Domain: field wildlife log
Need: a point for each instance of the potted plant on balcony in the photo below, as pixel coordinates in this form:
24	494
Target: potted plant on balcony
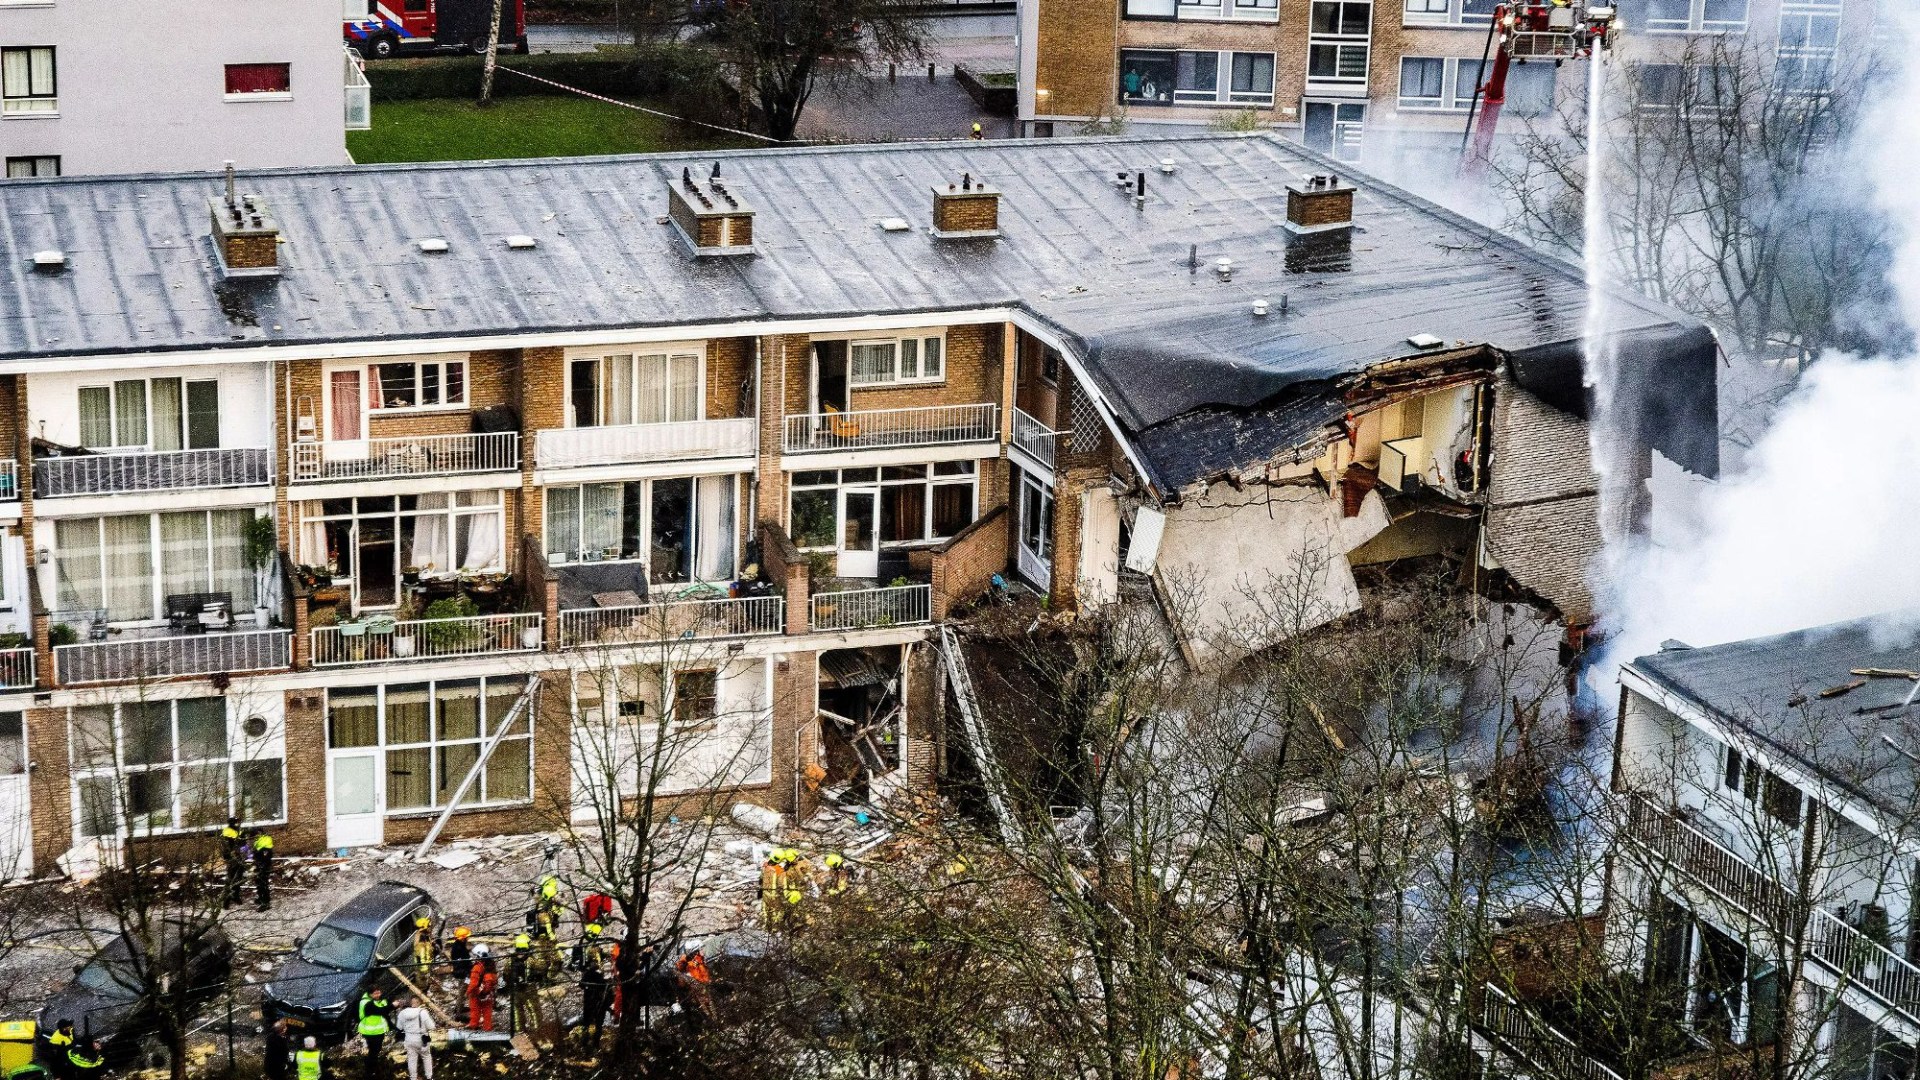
404	641
447	627
62	634
259	541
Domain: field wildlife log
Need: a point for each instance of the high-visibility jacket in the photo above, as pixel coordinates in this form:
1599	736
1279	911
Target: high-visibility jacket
263	842
84	1065
373	1017
60	1039
306	1064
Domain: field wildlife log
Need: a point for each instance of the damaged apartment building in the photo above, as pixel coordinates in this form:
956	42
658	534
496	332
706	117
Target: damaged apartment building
361	502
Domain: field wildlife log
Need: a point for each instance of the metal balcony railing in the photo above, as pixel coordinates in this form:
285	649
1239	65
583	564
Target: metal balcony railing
359	94
1538	1045
864	429
691	440
673	620
127	659
380	640
1034	437
16	668
1712	864
412	455
1865	963
860	609
171	470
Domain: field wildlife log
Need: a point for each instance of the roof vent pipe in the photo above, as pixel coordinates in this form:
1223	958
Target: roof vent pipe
1193	258
230	191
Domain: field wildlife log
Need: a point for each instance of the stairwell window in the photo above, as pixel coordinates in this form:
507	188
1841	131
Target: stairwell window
1338	42
27	84
255	82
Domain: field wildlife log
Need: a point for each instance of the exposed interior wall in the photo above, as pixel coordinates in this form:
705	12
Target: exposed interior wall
1544	502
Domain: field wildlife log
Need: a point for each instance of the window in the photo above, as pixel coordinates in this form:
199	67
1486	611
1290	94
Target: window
375	540
1189	77
158	766
25	168
634	389
1682	16
1146	77
431	735
1809	41
696	697
1423	82
683	528
151	414
1337	41
1198	77
129	564
246	80
1253	78
1447	12
26	81
877	363
1748	780
417	384
918	503
1149	9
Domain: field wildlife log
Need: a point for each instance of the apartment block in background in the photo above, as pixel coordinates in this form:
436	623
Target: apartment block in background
99	86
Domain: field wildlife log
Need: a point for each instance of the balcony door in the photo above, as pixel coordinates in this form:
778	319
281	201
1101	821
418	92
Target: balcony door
346	415
829	376
353	810
859	549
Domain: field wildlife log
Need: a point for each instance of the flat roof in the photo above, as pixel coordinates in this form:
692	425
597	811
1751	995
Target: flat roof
1166	345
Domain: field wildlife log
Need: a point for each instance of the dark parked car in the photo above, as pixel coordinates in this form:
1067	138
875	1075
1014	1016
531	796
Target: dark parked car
106	999
354	949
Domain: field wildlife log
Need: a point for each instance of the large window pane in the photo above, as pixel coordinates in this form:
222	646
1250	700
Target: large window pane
76	564
13	745
99	806
203	728
812	515
96	416
716	535
128	543
93	736
150	800
903	513
203	415
1146	76
563	521
147	730
169	415
683	390
600	524
952	508
455	762
130	412
458	705
184	565
650	379
410	778
671	543
408	715
203	795
502	694
260	791
353	718
509	777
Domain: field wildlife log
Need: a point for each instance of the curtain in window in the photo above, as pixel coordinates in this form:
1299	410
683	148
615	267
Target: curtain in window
168	426
230	572
313	542
96	416
408	715
651	379
501	696
410	779
903	512
952	508
128	543
353	718
600	517
184	566
431	545
76	564
616	390
872	361
563	521
130	412
479	536
684	391
509	773
715	542
457	708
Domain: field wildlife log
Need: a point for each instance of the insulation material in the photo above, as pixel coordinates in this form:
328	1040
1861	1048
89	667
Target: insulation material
1237	567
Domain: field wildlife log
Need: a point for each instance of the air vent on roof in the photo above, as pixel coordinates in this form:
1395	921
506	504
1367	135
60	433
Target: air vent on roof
894	224
966	210
433	245
520	242
711	218
50	261
1319	204
245	237
1425	341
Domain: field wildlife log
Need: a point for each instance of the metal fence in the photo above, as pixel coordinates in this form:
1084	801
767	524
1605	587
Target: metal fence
859	609
1034	437
130	658
690	440
381	640
673	620
16	668
929	425
412	455
109	474
1524	1035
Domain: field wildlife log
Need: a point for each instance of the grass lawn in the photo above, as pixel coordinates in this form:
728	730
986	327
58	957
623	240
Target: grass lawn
444	129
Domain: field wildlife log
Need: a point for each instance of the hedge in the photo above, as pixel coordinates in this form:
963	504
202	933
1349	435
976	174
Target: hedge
654	71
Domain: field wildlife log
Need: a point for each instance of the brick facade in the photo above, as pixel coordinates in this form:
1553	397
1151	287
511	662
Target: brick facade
1074	62
50	798
963	567
966	211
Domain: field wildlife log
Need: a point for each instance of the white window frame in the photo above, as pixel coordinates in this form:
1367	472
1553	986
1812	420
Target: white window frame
920	345
684	352
1208	11
645	558
31	103
930	481
146	405
453	514
156	566
371	372
1341	43
1222	93
118	771
259	95
1456	88
1448	13
1696	22
523	735
1249	97
1808	13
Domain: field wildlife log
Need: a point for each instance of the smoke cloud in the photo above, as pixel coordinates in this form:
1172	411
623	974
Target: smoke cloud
1820	522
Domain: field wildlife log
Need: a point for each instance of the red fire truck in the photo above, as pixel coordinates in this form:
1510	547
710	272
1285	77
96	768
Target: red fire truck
377	29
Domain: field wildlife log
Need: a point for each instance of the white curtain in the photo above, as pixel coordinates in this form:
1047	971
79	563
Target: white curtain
714	544
76	564
616	390
313	541
96	416
183	553
128	542
563	521
231	574
684	390
652	381
167	415
480	540
431	547
600	517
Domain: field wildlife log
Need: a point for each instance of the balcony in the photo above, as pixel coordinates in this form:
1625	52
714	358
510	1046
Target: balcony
171	470
1525	1036
383	639
878	429
129	658
867	609
1034	438
1865	964
359	94
16	668
411	455
669	621
1722	872
693	440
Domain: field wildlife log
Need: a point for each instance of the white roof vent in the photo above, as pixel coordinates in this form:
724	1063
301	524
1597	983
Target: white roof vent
433	245
51	260
520	242
1425	341
894	224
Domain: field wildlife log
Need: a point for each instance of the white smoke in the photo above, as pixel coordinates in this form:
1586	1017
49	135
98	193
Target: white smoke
1821	521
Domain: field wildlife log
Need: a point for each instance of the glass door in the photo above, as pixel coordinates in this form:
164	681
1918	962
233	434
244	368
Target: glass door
353	818
859	538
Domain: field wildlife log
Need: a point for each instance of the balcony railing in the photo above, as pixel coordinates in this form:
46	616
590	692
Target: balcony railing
130	658
1034	437
1865	963
171	470
359	94
867	429
1544	1048
412	455
861	609
691	440
672	620
1706	860
16	668
382	640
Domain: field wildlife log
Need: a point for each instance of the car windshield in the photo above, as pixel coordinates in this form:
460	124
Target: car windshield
337	948
110	974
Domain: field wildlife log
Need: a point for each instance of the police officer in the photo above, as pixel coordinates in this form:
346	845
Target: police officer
593	999
308	1064
58	1042
263	872
279	1051
85	1060
233	854
373	1027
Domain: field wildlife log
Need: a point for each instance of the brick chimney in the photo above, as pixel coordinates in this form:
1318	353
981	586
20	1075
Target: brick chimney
1319	203
966	209
710	217
245	236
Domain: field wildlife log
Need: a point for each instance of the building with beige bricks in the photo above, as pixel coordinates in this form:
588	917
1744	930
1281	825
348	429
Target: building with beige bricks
353	502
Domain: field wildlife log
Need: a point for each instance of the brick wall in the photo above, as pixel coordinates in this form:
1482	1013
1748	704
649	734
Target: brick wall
964	566
1075	57
782	564
1068	488
1543	503
926	703
783	390
962	212
248	252
972	368
543	405
306	757
729	378
50	798
796	733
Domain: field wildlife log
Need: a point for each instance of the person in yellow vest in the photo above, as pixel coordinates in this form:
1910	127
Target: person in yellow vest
423	949
547	896
545	930
523	993
838	876
58	1041
773	885
308	1063
263	872
85	1060
233	856
373	1028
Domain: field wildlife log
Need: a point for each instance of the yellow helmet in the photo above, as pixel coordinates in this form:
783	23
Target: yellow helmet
522	941
834	861
793	896
593	929
549	886
422	922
